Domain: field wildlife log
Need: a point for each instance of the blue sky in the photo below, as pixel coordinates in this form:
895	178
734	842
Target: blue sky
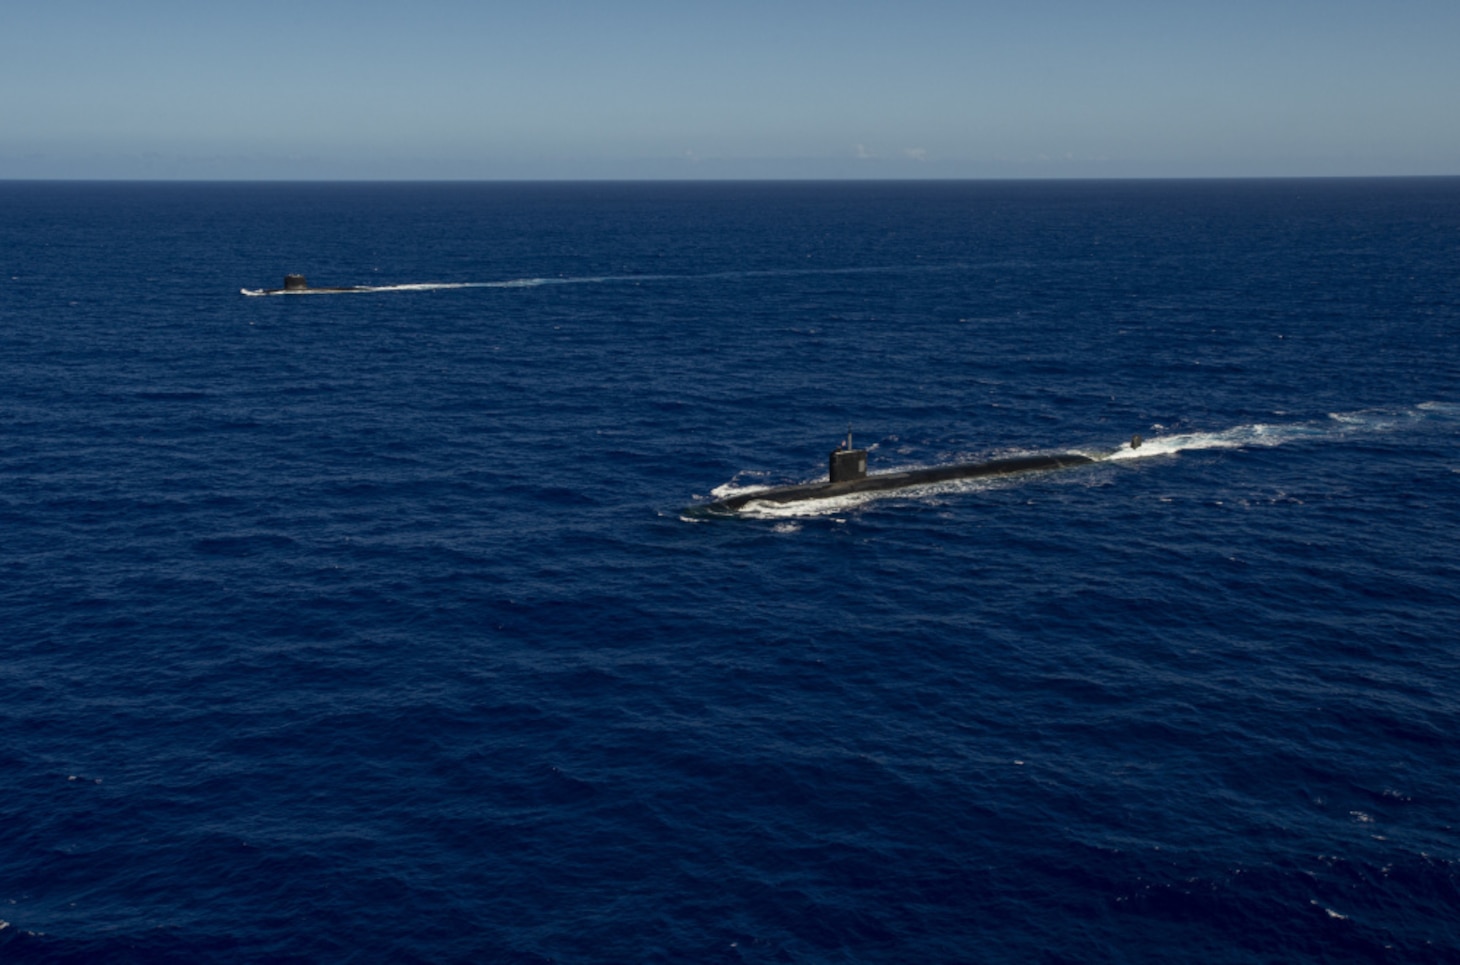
643	88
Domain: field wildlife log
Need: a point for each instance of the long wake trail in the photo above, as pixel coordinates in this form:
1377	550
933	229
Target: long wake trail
1337	426
601	280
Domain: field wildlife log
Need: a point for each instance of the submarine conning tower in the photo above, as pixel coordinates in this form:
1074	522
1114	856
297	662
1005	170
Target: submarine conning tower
295	283
848	464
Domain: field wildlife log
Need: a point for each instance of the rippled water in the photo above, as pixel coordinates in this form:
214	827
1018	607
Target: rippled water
373	626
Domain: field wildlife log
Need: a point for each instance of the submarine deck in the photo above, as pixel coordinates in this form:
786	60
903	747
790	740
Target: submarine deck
322	290
899	480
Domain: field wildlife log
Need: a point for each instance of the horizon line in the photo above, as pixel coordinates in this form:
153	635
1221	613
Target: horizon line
124	179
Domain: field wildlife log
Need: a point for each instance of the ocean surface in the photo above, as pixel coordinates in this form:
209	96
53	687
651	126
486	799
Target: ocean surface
383	627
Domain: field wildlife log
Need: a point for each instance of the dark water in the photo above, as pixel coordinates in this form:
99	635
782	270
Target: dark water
370	627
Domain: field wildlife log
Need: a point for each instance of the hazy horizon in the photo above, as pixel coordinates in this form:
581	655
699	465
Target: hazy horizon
649	90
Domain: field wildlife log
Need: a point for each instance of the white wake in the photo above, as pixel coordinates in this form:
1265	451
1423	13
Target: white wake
597	280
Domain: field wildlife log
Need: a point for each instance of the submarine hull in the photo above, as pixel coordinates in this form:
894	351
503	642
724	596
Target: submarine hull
899	480
332	290
299	285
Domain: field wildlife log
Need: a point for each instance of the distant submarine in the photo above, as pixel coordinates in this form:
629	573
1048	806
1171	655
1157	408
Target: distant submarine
848	474
296	285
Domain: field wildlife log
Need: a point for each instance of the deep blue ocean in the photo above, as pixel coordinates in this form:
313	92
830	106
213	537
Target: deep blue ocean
381	626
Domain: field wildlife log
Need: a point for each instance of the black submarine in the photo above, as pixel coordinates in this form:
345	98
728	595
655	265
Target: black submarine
848	474
297	285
